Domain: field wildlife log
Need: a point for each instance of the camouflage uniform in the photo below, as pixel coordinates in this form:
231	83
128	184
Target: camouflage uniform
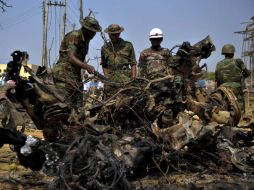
229	73
66	75
153	62
118	59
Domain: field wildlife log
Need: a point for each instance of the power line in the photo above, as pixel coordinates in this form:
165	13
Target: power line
20	20
72	3
71	18
22	14
73	11
50	20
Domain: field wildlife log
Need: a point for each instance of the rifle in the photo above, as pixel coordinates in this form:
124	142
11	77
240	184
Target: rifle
105	79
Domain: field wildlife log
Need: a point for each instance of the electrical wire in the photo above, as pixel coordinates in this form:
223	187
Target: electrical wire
73	11
9	25
21	17
72	2
50	21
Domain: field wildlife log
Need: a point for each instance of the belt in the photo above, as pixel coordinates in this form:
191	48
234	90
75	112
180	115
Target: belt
119	67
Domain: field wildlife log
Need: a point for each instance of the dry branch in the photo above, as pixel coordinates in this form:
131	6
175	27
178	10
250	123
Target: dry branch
3	5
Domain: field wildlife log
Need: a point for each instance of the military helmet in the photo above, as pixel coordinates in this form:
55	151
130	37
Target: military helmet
228	49
156	33
90	23
114	29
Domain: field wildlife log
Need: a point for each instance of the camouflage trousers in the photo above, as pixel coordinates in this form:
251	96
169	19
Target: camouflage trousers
239	93
118	76
73	95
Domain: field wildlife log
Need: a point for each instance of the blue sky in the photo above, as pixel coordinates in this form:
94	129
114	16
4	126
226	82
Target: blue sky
180	20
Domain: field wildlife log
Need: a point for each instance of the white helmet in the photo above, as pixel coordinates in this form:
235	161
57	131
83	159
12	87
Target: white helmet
156	33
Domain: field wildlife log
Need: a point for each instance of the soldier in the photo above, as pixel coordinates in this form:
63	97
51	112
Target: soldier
117	58
73	50
153	61
231	73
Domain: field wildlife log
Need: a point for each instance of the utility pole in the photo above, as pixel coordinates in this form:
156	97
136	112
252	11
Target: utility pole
46	5
64	21
81	10
45	33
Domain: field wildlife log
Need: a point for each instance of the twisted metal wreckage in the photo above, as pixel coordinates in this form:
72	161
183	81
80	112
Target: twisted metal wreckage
148	128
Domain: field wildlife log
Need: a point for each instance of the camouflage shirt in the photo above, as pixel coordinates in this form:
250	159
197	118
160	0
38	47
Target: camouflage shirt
153	62
229	72
118	59
73	41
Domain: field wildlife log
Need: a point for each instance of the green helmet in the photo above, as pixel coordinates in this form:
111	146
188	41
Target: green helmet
90	23
228	49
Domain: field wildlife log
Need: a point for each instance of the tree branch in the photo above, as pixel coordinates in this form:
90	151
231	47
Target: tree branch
3	5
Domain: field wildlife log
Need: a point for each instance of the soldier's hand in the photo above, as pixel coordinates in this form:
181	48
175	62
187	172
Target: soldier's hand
90	69
11	83
246	73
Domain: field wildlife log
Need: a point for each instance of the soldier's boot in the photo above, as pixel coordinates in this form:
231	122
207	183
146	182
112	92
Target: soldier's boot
246	101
